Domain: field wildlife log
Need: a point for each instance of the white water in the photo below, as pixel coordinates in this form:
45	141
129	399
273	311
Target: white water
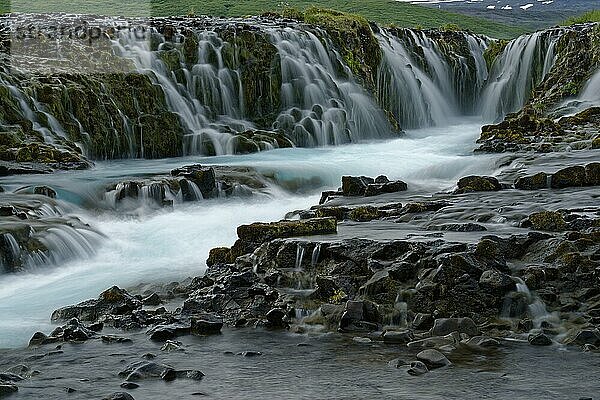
173	245
522	65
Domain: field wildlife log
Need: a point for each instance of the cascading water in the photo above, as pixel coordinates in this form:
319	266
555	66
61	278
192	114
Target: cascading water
522	65
423	82
589	97
321	107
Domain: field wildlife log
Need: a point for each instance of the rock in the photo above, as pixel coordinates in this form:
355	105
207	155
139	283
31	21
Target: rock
262	232
168	375
482	341
445	326
276	316
364	214
171	345
398	337
587	336
119	396
569	177
355	185
202	177
206	325
161	333
220	255
417	368
496	281
250	353
422	322
143	370
113	301
474	183
433	358
468	227
592	174
129	385
533	182
7	388
115	339
45	191
358	316
40	338
547	221
375	189
152	300
539	339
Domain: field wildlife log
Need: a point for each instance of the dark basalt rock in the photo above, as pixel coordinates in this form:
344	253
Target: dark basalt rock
539	339
470	184
433	358
355	185
7	389
113	301
119	396
533	182
359	316
206	325
569	177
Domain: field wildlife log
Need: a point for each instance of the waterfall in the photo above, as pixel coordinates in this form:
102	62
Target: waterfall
523	64
424	82
320	106
589	97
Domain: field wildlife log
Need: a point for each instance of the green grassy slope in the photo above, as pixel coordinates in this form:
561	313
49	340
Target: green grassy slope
384	12
592	16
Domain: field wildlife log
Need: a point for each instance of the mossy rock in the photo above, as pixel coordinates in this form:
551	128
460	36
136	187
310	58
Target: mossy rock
364	214
533	182
261	232
220	255
552	221
574	176
474	183
495	48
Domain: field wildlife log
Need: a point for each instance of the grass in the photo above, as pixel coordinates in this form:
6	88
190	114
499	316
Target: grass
384	12
590	16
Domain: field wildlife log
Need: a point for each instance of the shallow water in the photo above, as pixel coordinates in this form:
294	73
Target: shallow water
329	366
172	245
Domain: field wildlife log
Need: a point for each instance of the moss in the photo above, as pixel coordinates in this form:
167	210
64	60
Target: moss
548	221
352	36
260	232
364	214
219	255
450	28
493	51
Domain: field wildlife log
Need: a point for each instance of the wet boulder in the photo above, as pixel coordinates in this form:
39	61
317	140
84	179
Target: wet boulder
206	325
539	339
203	177
475	183
533	182
496	282
219	255
592	174
552	221
45	191
364	214
359	316
569	177
113	301
376	189
262	232
7	389
355	185
587	336
417	368
433	358
445	326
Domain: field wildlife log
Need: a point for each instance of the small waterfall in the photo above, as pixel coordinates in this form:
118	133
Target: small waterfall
321	107
424	81
589	97
66	243
314	259
523	64
299	256
12	250
535	307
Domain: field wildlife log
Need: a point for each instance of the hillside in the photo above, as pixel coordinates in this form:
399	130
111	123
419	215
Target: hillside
381	11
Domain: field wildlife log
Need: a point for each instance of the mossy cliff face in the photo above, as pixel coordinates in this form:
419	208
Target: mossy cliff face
112	115
351	35
536	126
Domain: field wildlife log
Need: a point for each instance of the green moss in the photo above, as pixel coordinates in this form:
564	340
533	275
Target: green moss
450	28
260	232
364	214
493	51
548	221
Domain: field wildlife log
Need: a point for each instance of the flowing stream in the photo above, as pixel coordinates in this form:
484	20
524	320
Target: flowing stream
321	106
